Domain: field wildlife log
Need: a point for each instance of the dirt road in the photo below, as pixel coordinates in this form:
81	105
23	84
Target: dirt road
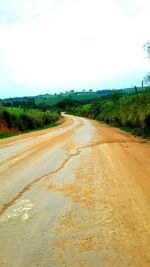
77	195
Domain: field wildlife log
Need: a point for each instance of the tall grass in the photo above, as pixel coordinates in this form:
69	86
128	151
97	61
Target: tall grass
25	120
131	112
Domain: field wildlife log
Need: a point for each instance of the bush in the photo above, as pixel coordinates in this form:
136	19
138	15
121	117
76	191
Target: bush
130	111
27	119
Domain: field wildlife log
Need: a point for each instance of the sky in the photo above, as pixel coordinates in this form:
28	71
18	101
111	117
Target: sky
50	46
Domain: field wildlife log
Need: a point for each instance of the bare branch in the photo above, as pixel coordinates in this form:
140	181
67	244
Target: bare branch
147	79
147	48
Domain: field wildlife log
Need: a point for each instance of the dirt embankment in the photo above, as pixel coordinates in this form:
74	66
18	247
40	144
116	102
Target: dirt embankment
4	128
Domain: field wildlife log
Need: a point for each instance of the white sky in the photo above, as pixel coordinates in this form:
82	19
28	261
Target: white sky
48	46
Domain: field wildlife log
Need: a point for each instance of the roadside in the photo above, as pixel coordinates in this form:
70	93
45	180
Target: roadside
14	121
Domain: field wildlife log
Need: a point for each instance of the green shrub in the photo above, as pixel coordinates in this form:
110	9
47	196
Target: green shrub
132	112
26	120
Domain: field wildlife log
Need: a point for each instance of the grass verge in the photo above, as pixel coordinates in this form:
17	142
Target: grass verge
7	135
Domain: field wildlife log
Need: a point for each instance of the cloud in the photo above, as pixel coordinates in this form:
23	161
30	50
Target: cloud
133	7
49	43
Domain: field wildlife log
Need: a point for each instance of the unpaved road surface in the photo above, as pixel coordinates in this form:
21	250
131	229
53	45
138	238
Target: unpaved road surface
77	195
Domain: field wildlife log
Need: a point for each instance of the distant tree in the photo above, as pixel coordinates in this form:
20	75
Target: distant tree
147	48
147	77
42	106
66	104
115	95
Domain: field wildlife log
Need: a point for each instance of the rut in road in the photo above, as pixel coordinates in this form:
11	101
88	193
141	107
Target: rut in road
79	150
35	148
84	200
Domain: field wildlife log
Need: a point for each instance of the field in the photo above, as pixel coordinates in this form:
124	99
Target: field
54	99
48	101
51	100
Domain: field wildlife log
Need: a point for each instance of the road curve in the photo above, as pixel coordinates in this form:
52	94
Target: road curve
77	195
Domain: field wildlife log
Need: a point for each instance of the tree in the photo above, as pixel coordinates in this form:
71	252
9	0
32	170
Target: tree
147	48
147	77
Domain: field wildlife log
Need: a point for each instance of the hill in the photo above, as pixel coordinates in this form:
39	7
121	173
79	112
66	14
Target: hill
50	100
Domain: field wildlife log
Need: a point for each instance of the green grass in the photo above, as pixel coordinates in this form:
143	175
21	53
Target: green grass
143	132
54	99
51	100
130	112
20	111
23	120
7	135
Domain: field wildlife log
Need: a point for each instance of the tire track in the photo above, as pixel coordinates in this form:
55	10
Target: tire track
30	185
37	148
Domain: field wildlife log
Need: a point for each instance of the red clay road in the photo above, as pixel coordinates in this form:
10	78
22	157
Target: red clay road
77	195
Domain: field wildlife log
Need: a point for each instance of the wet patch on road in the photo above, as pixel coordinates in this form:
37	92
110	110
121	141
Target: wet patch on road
19	210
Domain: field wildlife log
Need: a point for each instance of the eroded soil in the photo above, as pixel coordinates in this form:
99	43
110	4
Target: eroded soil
77	195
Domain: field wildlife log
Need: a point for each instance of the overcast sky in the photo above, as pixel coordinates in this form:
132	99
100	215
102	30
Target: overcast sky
48	46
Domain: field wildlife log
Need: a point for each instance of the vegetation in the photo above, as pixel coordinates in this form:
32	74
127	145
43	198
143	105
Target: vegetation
49	102
23	120
128	109
147	77
130	112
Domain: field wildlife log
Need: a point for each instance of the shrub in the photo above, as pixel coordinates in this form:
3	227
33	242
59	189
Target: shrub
130	111
27	119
